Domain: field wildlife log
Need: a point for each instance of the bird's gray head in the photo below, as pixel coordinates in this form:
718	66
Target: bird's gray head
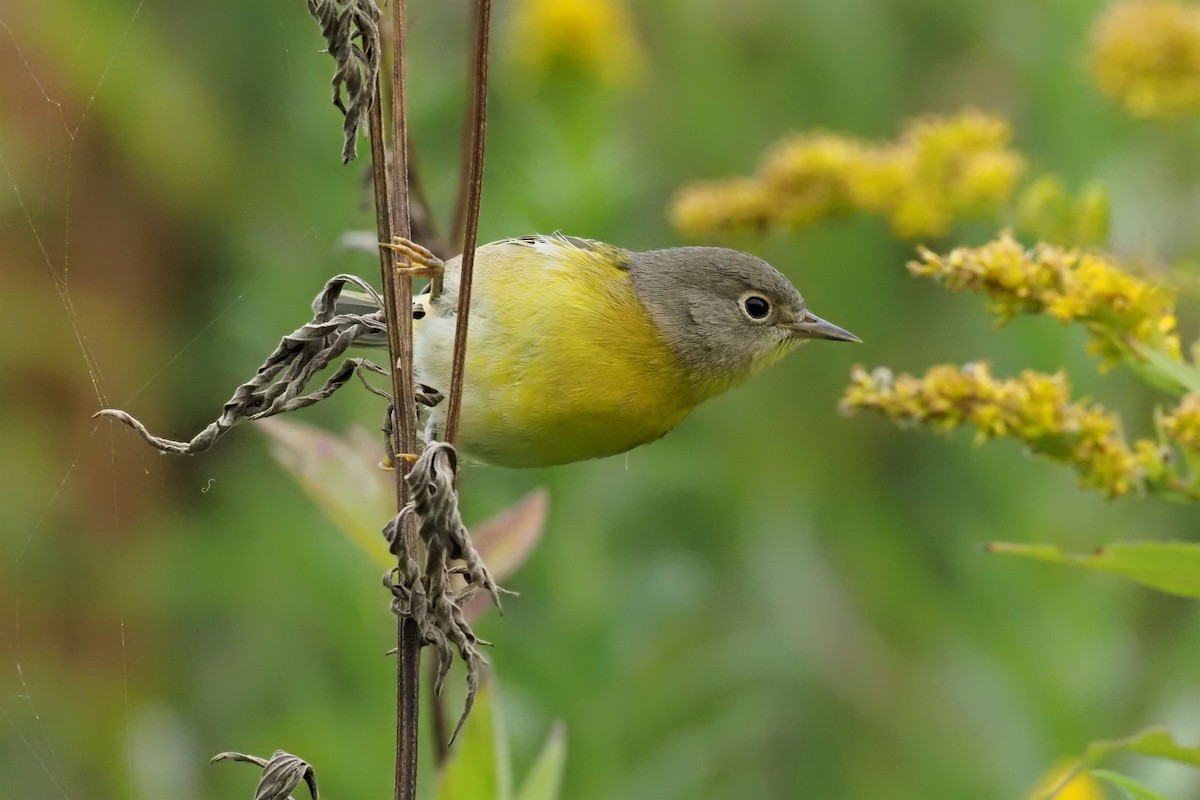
724	313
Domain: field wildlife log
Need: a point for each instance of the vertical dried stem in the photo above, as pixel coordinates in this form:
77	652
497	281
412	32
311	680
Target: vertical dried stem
473	179
398	294
462	228
400	346
392	219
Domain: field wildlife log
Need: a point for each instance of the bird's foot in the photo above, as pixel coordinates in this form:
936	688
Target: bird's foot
388	463
422	262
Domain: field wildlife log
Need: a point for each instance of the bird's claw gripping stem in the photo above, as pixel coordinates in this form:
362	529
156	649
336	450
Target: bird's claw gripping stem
424	264
388	463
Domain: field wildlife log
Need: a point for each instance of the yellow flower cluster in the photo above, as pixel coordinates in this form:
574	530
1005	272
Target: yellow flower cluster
1182	425
594	39
1034	408
1082	786
938	170
1146	55
1069	284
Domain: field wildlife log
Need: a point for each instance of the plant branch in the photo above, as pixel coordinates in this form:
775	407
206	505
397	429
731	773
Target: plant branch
393	219
422	220
473	178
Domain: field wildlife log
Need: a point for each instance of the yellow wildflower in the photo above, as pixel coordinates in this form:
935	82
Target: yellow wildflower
884	179
961	162
1104	460
938	170
592	38
811	176
1034	408
1154	460
920	211
1067	284
1082	786
736	205
1182	425
1146	55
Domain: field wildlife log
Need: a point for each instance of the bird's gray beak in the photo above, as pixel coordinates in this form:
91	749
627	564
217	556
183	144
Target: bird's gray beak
813	327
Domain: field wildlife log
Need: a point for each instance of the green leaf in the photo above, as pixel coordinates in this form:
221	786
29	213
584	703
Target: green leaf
1132	788
1152	742
478	767
1171	567
544	780
1166	372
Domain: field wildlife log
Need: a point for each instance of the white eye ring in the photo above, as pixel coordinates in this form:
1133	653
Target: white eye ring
756	307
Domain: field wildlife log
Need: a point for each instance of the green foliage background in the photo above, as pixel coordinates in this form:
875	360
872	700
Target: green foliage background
773	601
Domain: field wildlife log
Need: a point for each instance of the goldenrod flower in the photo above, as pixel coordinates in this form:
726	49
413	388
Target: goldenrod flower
593	38
1034	408
1182	426
1156	461
811	176
1068	284
938	170
736	206
963	162
1146	55
1082	786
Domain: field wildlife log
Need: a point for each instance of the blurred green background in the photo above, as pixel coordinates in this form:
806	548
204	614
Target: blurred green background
773	601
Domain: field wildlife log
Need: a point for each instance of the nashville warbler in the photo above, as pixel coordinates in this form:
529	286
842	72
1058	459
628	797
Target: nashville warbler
578	349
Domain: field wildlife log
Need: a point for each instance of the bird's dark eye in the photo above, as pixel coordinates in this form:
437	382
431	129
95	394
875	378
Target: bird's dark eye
756	307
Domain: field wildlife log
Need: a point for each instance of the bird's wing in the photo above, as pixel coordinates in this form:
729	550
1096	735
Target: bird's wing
555	244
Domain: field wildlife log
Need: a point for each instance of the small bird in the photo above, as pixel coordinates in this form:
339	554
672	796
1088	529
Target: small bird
578	349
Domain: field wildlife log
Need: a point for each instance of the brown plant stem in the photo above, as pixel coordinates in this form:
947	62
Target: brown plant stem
393	219
423	223
472	178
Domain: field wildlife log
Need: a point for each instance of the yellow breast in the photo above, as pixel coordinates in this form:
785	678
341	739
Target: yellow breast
563	363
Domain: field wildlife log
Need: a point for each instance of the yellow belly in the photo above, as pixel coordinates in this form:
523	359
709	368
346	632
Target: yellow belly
563	363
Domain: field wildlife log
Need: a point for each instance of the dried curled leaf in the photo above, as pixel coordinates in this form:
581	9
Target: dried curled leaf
278	385
357	70
428	597
282	773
